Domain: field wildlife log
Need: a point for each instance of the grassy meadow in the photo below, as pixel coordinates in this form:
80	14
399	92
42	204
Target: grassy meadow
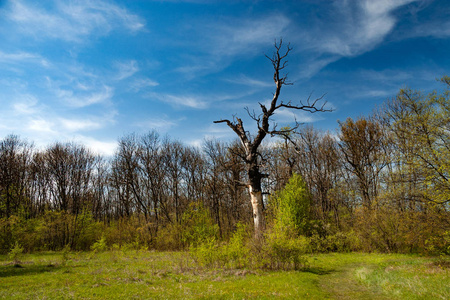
167	275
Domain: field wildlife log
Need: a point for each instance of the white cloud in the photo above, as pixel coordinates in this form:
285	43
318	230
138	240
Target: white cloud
23	57
100	147
25	105
181	101
71	21
228	39
42	126
245	80
126	69
76	98
142	83
247	35
160	123
79	124
358	26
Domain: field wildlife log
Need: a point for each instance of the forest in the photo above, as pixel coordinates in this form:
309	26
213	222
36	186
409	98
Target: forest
379	183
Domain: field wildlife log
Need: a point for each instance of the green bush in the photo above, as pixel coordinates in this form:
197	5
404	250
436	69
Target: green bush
100	245
236	252
282	249
15	253
195	229
197	226
292	207
207	253
337	242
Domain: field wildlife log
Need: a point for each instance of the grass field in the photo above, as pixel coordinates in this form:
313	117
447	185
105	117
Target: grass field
169	275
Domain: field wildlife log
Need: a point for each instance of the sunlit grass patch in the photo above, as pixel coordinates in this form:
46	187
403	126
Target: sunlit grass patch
176	275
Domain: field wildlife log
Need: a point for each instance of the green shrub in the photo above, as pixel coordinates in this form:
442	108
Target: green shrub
15	253
197	225
195	228
337	242
169	237
65	255
207	253
283	250
292	207
236	252
100	245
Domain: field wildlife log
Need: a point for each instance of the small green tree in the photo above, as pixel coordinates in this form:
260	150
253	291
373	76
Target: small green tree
16	253
292	207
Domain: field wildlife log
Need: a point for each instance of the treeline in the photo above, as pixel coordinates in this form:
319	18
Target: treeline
380	184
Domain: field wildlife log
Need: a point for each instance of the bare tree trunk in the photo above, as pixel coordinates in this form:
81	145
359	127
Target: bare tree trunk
258	216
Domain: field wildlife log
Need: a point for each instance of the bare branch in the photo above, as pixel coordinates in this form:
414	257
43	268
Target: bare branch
252	115
309	106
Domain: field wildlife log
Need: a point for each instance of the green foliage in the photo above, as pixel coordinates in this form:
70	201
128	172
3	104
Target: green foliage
292	207
283	249
100	245
132	233
65	254
169	237
234	254
439	244
59	229
208	253
196	228
338	242
15	253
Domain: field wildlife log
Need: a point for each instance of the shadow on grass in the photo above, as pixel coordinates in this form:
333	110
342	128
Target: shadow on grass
318	271
22	270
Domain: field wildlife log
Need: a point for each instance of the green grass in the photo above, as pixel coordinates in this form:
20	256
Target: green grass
167	275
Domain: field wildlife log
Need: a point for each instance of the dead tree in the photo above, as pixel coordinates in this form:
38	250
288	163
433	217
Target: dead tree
251	143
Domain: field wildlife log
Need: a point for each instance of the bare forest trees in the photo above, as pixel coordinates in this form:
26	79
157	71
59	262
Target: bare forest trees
15	158
252	144
362	145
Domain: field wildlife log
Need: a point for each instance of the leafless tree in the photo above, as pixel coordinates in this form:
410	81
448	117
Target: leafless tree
252	144
15	157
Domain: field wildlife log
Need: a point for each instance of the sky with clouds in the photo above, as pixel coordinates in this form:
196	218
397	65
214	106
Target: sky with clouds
94	71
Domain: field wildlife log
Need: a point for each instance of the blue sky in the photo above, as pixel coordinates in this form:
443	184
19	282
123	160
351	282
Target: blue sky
94	71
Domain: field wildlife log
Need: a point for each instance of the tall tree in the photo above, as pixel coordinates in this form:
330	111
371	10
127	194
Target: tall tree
251	144
362	146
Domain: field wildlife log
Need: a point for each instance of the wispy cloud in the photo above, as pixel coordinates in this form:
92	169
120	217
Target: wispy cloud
359	26
126	69
230	38
142	83
181	100
42	126
79	124
163	123
245	80
71	21
23	57
26	105
81	95
244	36
348	28
98	146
